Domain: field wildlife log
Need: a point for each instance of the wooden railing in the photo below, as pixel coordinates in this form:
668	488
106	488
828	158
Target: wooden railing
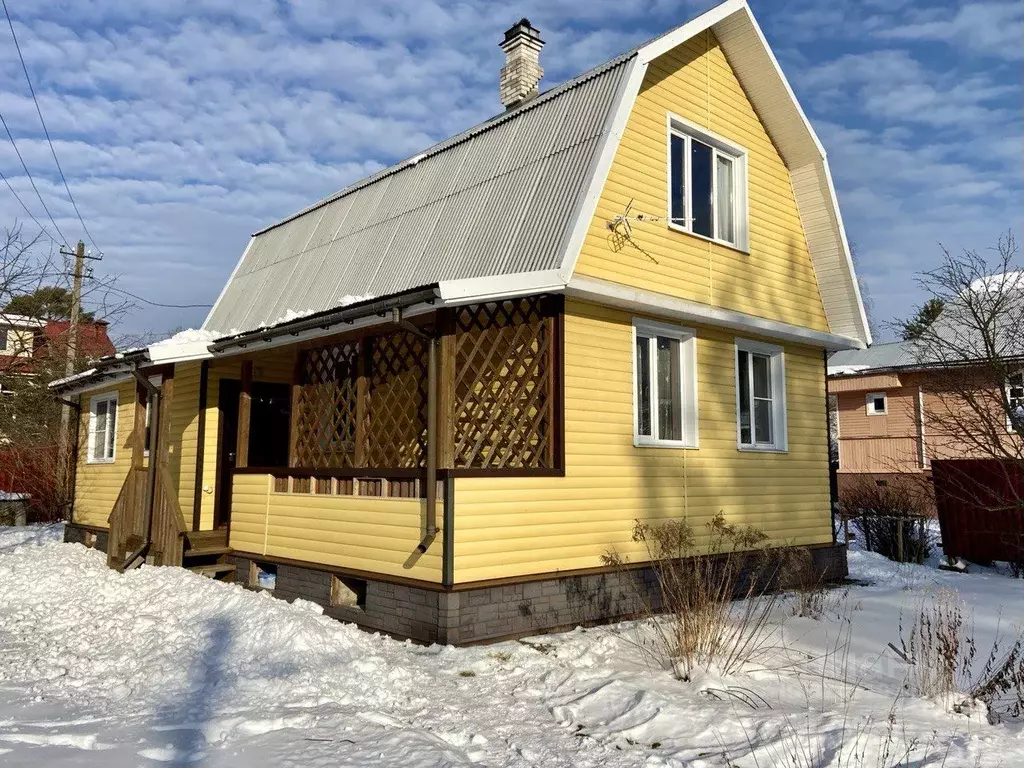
127	518
128	528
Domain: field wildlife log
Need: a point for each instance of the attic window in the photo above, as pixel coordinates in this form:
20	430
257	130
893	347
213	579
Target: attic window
707	185
877	404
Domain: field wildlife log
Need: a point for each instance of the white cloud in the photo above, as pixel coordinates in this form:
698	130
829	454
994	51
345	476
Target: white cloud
183	127
988	28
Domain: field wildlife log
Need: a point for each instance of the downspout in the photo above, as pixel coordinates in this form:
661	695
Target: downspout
153	393
833	476
432	438
430	531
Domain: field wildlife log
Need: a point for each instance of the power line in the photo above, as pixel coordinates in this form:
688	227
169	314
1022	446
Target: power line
17	197
46	131
157	303
32	181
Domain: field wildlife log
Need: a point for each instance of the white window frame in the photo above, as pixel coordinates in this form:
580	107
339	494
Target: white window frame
111	399
1006	390
687	338
687	130
777	368
869	403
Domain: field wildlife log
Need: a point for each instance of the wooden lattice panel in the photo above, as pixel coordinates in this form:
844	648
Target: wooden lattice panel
326	410
504	392
397	400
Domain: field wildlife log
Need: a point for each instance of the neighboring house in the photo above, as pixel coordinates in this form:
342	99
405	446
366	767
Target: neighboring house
29	347
879	399
19	337
899	406
434	401
24	341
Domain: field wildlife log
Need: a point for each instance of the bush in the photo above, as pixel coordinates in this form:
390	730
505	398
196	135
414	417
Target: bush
697	587
941	649
890	521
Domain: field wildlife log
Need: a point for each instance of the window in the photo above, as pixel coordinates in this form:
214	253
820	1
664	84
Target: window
707	185
1015	401
3	339
877	404
665	385
102	427
760	396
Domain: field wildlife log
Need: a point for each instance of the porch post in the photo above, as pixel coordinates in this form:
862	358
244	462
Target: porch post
446	391
293	413
139	427
164	439
432	436
362	392
244	410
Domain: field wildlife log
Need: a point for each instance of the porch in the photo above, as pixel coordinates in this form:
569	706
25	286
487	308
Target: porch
343	450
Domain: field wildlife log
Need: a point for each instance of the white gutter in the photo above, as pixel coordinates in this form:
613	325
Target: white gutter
634	299
472	290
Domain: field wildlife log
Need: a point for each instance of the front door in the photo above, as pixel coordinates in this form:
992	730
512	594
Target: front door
269	421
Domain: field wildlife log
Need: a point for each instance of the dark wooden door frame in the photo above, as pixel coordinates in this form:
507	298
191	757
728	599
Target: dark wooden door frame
227	421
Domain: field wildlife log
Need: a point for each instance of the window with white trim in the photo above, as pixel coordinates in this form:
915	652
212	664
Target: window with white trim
102	427
760	396
1015	401
877	404
707	181
664	385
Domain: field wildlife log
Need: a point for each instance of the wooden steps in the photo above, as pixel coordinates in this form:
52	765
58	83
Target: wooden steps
205	553
220	571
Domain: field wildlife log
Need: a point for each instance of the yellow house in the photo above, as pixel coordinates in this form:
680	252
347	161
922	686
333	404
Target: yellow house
434	400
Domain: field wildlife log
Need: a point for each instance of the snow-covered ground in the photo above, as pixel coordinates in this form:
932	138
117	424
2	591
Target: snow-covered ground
162	667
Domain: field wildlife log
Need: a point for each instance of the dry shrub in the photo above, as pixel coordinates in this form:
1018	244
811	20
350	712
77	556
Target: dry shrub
697	586
941	649
812	598
890	520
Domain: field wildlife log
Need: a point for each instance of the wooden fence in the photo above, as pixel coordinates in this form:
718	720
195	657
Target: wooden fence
981	509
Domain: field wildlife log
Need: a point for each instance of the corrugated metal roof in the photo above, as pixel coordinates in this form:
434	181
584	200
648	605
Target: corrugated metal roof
508	196
496	199
896	354
995	303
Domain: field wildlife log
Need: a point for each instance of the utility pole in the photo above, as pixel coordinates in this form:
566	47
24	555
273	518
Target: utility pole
66	452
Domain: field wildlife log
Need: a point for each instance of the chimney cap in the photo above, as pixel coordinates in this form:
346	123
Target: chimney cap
522	28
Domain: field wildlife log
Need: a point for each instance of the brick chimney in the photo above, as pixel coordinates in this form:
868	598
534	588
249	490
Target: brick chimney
522	72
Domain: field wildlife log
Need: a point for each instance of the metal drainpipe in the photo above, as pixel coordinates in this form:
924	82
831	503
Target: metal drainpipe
154	432
432	438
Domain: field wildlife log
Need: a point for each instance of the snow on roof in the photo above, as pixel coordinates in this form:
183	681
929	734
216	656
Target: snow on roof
995	282
21	320
190	344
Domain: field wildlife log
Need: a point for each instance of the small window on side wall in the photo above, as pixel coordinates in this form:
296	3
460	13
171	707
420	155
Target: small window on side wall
707	185
102	433
760	397
664	385
1015	402
877	404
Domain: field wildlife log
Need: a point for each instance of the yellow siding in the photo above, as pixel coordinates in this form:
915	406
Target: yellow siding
98	484
366	534
776	279
514	526
184	434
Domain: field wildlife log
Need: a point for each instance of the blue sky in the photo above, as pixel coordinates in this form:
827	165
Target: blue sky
182	127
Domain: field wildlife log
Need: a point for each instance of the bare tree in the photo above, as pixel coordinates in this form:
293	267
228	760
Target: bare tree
975	352
33	356
973	391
